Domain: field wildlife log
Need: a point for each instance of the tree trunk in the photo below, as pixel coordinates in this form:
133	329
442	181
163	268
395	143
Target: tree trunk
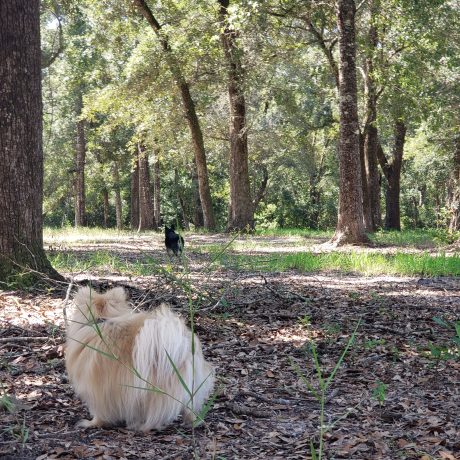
156	188
134	218
21	151
350	226
198	219
371	135
454	190
80	160
105	199
241	214
190	115
392	172
145	192
116	186
367	215
184	221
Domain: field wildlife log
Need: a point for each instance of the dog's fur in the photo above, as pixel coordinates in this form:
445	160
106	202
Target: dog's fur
174	243
115	358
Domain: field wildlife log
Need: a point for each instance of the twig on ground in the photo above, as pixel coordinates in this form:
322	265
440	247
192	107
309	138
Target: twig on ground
22	339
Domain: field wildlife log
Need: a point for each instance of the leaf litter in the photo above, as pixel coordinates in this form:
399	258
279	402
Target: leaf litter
391	398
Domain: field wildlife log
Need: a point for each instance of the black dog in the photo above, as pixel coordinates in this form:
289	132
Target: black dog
174	243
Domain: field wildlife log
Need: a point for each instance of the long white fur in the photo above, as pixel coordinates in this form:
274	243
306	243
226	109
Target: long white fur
113	391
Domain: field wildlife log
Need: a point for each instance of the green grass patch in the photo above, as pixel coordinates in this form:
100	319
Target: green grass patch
104	261
303	232
415	238
362	263
72	235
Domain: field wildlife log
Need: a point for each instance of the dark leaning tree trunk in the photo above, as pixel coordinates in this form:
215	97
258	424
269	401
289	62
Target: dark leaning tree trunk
453	202
198	219
364	182
371	135
80	160
392	173
190	115
134	215
156	188
118	204
350	226
106	207
145	192
241	211
21	166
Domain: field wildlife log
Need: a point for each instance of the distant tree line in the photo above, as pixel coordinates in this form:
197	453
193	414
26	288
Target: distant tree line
226	114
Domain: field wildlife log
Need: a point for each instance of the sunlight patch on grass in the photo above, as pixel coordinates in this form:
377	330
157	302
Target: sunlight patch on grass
104	261
363	263
68	235
415	238
303	232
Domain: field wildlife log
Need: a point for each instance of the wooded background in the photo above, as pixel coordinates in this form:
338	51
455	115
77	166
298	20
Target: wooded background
225	114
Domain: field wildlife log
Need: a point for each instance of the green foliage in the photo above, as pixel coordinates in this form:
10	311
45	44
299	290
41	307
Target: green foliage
379	392
115	64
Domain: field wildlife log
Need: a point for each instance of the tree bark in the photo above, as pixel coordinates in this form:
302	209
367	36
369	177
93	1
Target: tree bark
454	190
145	192
80	160
392	172
134	218
190	115
118	203
198	219
371	140
156	188
183	207
350	226
21	149
241	212
366	197
105	200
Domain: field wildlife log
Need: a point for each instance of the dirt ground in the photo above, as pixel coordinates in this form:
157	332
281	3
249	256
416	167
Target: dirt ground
390	399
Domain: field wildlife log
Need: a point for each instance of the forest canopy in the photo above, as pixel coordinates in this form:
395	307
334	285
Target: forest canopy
116	116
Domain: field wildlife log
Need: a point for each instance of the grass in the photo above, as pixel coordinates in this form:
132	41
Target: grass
301	232
88	235
104	261
363	263
366	263
369	264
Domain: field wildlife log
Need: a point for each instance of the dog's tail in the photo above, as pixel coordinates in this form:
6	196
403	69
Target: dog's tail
162	346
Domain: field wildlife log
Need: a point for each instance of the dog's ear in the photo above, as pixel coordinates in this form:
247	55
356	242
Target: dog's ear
116	296
99	303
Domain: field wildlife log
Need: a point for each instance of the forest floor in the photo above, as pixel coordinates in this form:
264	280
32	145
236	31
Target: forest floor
396	395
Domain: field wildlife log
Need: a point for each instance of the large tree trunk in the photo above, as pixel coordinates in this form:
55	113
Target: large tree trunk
350	226
371	135
21	166
392	172
145	192
134	217
453	202
198	219
156	188
80	160
190	115
116	186
241	213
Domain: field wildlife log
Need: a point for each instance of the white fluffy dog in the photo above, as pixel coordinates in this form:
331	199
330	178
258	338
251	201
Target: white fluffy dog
125	366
